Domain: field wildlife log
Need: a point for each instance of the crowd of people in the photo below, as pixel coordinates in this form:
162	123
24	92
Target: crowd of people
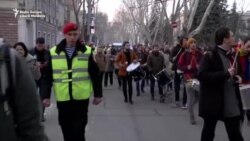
210	76
74	71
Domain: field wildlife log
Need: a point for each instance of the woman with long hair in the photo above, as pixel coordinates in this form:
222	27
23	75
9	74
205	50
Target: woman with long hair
30	60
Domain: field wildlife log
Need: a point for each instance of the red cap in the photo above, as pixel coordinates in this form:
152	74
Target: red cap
69	27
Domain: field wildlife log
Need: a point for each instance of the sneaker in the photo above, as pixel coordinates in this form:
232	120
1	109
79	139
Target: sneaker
184	107
177	104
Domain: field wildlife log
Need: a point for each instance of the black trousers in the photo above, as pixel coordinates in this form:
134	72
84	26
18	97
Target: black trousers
232	127
73	118
127	87
177	84
110	76
152	87
102	75
118	77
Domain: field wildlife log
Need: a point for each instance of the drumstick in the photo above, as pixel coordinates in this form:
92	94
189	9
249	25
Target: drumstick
177	53
235	58
160	72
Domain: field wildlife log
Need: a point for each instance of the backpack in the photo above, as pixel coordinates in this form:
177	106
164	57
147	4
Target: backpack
7	80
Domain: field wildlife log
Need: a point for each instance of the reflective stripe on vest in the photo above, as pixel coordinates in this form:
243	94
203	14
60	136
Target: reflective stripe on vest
81	84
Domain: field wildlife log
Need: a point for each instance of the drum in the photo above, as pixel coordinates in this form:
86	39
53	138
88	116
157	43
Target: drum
245	96
135	71
162	77
195	84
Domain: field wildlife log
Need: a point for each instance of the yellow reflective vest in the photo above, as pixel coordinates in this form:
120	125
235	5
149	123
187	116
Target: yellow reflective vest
80	79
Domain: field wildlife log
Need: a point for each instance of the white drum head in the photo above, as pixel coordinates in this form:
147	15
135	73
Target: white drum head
133	66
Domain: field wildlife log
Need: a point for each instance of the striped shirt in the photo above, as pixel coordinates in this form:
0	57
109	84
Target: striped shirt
70	51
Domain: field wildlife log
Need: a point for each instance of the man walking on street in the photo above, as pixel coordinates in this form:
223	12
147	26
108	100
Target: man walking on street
219	89
41	54
155	64
124	59
74	74
174	58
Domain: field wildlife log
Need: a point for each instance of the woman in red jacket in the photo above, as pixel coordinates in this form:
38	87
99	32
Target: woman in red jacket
189	64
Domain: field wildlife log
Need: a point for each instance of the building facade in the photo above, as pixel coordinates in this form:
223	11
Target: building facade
8	24
27	29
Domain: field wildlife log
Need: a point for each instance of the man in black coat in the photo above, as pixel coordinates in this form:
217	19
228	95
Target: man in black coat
42	57
219	89
174	57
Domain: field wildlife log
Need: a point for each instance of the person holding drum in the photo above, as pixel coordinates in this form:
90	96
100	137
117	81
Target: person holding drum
124	59
155	64
219	90
189	64
174	57
142	58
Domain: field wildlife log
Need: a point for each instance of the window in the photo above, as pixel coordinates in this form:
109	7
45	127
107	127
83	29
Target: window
38	34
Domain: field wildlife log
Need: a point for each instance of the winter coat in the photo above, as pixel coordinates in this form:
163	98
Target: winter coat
101	61
212	77
155	63
121	62
175	55
109	63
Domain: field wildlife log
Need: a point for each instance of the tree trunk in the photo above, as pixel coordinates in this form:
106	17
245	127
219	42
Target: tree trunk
191	17
83	20
204	19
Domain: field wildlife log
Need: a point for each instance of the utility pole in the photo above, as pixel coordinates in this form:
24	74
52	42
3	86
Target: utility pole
89	19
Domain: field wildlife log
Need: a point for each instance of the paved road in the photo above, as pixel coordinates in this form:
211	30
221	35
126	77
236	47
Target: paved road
146	120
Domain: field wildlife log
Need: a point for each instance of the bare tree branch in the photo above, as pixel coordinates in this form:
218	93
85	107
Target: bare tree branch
191	17
204	19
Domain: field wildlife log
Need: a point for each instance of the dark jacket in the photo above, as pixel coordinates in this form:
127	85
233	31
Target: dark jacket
212	77
42	57
155	63
175	55
25	108
77	105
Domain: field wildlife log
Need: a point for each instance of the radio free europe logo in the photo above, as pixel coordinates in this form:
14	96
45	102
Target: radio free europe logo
28	13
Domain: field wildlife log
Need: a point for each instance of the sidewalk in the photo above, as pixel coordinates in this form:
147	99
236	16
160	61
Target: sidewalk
145	120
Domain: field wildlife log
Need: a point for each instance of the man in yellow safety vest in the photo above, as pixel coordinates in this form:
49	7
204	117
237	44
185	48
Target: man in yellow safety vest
74	74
